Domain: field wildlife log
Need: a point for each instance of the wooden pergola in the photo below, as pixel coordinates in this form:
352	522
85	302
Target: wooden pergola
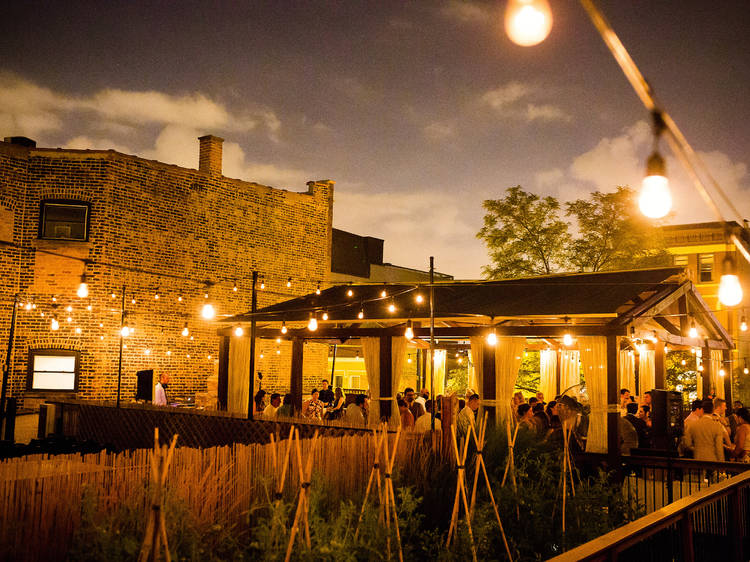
653	307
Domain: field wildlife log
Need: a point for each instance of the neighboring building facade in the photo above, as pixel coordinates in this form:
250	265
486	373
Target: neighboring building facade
360	259
156	229
702	248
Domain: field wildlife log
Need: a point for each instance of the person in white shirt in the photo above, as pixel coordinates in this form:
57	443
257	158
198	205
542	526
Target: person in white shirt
424	395
270	411
160	390
354	414
467	416
424	423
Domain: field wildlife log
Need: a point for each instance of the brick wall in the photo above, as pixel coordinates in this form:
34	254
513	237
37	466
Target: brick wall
154	228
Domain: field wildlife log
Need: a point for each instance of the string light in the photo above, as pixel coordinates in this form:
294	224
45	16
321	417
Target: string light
289	283
78	330
125	331
693	333
683	362
324	316
83	288
185	332
132	301
655	200
460	360
54	299
262	283
169	352
419	298
54	324
284	329
743	324
89	307
383	294
208	311
278	352
179	298
730	290
156	295
409	332
361	314
69	319
261	356
317	289
312	324
492	337
239	331
350	293
69	308
147	351
722	372
28	306
392	307
234	288
111	295
278	340
528	22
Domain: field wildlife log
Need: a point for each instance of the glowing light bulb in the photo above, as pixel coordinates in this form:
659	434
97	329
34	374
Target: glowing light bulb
288	283
179	298
101	337
383	294
278	352
156	296
419	298
113	295
261	356
284	329
683	362
278	340
54	324
743	324
700	368
125	331
234	288
350	293
262	284
54	299
655	200
28	306
730	290
83	288
317	289
69	308
147	351
409	333
312	324
693	332
408	359
492	338
78	330
460	360
169	352
325	316
69	319
239	332
89	308
528	22
185	332
208	311
722	372
567	340
361	314
746	370
391	308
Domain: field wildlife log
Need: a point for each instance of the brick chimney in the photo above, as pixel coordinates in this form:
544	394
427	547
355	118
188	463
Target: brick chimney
209	157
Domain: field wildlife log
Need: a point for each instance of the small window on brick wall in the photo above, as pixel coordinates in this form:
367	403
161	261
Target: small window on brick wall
64	220
680	260
53	369
705	268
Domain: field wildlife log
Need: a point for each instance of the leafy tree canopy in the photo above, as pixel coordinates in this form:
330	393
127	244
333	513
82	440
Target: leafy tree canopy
528	235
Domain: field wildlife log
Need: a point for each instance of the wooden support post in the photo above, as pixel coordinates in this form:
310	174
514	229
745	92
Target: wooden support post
295	376
386	377
706	362
488	383
725	355
660	367
683	312
558	367
613	395
223	384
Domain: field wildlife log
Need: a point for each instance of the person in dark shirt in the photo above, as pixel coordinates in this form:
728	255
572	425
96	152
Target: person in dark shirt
541	419
326	394
640	425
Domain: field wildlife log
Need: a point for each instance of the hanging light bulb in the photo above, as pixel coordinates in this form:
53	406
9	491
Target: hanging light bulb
83	288
169	352
78	330
28	306
700	368
125	331
54	299
325	315
693	332
54	324
185	332
262	283
156	295
730	290
69	319
567	340
492	337
419	298
261	356
234	288
722	372
284	329
147	351
112	295
278	352
89	307
289	283
746	370
391	308
179	298
460	360
408	359
312	324
317	289
383	294
683	362
528	22
69	308
350	293
278	340
361	314
132	301
655	200
239	332
409	333
208	311
743	324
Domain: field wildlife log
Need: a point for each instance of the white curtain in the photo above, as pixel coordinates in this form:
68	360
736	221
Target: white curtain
371	354
398	354
570	371
626	369
593	351
717	381
548	373
508	357
646	371
440	355
476	371
239	375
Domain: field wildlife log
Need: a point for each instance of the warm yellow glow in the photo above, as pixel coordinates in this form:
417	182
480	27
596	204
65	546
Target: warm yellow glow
746	370
284	329
262	285
147	351
169	352
83	290
722	372
700	368
125	331
528	22
409	333
408	359
350	293
278	340
289	283
208	311
89	307
567	339
419	298
460	360
492	338
730	290
324	316
185	332
361	314
69	319
391	308
239	331
54	325
278	352
156	296
383	294
312	325
179	298
683	362
78	330
743	324
693	333
655	200
69	308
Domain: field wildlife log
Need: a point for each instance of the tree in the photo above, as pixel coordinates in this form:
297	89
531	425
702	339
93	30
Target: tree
614	234
524	235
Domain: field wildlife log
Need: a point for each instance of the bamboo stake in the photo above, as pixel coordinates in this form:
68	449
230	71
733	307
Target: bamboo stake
300	515
374	473
391	503
461	490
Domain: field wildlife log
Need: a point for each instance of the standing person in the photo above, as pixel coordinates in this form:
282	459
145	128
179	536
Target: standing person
424	395
313	408
407	418
696	412
287	409
705	436
720	409
734	420
272	409
160	390
641	428
741	450
326	394
467	416
415	407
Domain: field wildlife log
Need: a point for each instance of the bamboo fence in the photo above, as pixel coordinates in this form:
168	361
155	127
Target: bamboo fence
41	497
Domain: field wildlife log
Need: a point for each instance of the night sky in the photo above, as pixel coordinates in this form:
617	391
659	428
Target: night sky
418	110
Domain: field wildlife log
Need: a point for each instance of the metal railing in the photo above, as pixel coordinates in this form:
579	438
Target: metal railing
712	523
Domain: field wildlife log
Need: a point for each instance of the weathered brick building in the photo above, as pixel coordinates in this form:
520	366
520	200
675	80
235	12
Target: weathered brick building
155	229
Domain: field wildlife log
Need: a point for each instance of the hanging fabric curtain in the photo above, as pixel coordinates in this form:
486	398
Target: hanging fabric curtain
593	351
548	373
476	371
371	354
398	354
508	357
239	375
440	355
626	370
646	371
570	371
717	381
